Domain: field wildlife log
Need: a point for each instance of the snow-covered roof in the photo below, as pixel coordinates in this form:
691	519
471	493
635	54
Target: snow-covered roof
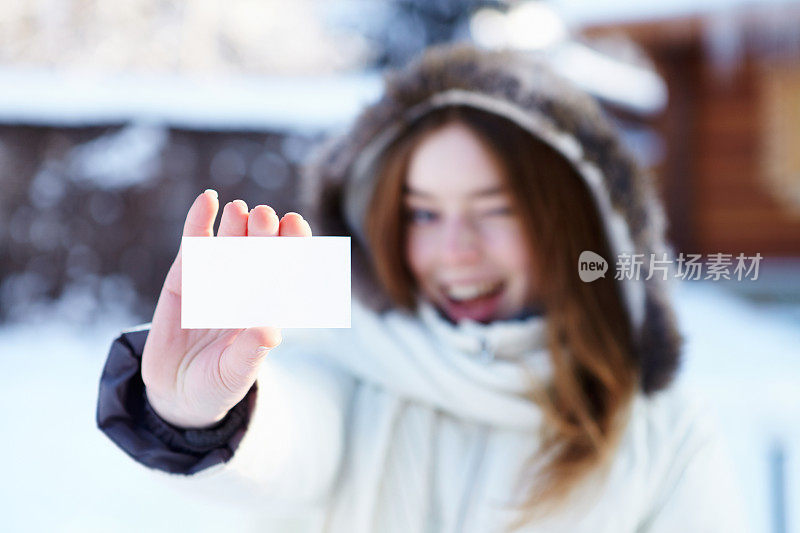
581	12
213	103
636	88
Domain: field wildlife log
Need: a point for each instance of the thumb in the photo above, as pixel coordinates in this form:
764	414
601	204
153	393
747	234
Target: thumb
239	362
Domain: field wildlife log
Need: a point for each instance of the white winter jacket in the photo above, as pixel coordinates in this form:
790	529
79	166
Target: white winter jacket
411	423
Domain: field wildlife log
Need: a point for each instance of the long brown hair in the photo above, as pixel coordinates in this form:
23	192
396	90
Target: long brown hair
595	375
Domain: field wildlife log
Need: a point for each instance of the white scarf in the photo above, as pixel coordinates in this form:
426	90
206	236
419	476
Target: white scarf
469	370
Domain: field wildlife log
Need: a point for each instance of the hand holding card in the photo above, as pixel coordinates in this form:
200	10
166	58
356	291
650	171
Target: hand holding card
193	377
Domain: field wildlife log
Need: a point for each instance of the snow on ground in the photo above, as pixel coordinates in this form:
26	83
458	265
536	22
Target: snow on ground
61	473
745	361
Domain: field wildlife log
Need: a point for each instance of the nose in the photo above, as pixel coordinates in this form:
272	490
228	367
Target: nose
461	241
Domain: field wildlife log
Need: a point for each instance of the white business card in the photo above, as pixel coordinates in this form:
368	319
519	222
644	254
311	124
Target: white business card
286	282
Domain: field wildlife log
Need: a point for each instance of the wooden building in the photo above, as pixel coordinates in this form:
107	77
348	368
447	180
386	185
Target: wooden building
730	175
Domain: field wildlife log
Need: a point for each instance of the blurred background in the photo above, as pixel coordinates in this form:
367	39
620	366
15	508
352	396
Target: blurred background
115	115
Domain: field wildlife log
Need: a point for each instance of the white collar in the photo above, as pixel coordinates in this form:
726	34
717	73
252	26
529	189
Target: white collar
506	339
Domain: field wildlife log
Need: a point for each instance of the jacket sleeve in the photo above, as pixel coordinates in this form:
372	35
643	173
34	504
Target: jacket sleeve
127	418
697	490
283	441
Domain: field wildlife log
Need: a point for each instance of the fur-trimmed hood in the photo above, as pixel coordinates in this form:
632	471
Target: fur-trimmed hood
338	181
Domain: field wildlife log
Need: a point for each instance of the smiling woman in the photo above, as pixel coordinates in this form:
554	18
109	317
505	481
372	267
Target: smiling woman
485	221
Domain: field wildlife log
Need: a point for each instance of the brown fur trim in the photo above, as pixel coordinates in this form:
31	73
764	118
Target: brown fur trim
528	83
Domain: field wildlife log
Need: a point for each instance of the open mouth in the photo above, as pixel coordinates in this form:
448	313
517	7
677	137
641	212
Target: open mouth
478	302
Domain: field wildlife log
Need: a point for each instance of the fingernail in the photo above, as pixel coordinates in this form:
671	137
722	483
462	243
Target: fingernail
212	191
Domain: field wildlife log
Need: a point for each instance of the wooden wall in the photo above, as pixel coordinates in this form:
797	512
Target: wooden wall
737	207
715	177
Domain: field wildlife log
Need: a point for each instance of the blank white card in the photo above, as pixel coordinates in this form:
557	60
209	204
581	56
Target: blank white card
287	282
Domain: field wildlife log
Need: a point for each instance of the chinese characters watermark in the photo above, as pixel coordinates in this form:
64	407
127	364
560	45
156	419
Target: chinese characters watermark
715	267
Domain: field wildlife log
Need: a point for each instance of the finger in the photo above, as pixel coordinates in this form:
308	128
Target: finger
262	222
199	223
234	220
294	225
200	218
239	362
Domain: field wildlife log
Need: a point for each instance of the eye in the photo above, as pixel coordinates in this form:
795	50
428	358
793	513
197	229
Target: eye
420	215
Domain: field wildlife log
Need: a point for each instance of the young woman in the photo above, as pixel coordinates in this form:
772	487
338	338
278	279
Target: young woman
483	385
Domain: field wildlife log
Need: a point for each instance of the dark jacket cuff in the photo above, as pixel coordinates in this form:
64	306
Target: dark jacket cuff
194	440
128	419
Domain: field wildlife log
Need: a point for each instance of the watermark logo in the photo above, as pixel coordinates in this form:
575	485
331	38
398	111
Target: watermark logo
714	267
591	266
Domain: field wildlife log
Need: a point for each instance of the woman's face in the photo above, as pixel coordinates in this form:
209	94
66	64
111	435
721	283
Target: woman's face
466	247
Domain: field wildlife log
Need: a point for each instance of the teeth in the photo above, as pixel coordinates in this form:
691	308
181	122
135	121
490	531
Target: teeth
468	292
